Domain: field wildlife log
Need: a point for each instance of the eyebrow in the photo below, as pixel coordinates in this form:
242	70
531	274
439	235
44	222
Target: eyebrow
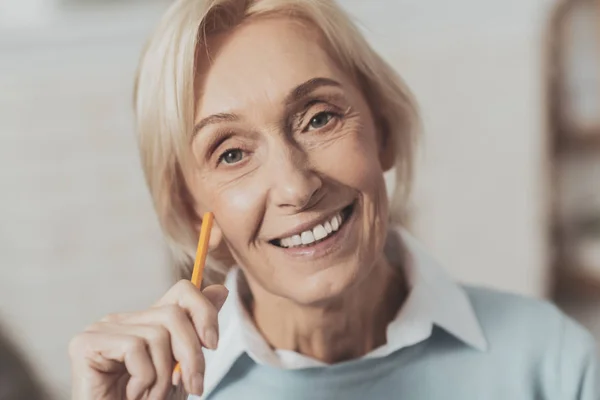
294	96
307	87
215	119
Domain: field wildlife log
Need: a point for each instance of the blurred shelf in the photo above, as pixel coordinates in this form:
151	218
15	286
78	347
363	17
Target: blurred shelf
575	281
575	128
582	141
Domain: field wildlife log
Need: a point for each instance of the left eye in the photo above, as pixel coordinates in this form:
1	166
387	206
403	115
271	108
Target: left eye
320	120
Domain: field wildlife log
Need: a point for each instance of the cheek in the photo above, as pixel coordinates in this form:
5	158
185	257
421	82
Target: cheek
354	162
237	206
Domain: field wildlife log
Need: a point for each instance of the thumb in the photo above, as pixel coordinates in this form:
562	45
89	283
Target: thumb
216	294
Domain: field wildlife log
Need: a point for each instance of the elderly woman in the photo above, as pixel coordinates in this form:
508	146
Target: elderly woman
278	117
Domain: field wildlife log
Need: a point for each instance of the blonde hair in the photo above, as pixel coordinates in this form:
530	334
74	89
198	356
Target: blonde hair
164	103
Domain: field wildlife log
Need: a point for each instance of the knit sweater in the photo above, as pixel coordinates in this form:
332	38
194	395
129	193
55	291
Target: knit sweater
534	353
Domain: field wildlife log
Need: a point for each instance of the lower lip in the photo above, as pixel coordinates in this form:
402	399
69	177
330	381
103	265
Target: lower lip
324	247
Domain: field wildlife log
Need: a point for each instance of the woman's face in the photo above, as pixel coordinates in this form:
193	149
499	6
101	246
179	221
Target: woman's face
288	159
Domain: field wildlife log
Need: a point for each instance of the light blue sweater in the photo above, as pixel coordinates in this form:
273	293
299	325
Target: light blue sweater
535	353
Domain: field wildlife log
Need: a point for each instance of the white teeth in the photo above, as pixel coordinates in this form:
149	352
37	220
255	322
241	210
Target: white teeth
335	224
307	237
296	240
319	232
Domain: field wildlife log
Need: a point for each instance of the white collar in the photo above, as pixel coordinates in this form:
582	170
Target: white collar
434	299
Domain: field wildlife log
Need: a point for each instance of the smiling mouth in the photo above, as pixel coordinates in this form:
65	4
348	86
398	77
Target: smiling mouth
317	233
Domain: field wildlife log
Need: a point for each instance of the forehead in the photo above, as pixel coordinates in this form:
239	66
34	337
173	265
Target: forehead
260	63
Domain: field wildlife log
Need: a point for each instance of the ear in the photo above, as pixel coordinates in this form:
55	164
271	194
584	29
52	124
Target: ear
387	151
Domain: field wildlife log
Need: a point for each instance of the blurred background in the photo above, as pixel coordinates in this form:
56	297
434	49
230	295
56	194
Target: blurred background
508	182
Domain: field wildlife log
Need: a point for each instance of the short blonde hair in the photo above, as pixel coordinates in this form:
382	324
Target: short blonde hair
164	103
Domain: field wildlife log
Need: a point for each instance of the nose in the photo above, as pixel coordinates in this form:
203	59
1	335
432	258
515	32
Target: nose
295	185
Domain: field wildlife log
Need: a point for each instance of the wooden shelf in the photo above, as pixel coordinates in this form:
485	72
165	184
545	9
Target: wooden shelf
571	136
589	141
576	281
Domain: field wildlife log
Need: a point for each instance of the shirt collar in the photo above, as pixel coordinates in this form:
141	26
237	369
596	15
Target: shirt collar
436	295
434	299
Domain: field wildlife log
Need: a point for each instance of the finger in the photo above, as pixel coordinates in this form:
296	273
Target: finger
158	341
216	294
185	344
106	352
201	310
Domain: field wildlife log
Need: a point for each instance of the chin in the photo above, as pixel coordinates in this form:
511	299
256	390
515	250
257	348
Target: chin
327	285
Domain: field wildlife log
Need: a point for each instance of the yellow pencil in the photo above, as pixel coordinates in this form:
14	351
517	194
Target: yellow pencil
207	221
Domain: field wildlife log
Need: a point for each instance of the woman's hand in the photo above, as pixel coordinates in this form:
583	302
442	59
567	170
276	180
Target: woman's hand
132	355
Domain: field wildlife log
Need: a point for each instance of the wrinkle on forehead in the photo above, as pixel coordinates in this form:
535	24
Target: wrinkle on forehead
251	64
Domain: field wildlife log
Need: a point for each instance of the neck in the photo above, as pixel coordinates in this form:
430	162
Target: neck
345	328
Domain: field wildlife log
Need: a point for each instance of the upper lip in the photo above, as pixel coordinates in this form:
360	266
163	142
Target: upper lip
298	229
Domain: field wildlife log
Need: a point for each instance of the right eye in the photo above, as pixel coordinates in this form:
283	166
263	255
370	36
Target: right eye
231	156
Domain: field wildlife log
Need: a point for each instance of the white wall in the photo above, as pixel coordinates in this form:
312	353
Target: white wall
74	208
77	228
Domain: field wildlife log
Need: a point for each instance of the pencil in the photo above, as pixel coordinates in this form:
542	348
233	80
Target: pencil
207	221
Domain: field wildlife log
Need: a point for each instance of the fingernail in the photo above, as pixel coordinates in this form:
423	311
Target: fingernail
212	338
198	384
